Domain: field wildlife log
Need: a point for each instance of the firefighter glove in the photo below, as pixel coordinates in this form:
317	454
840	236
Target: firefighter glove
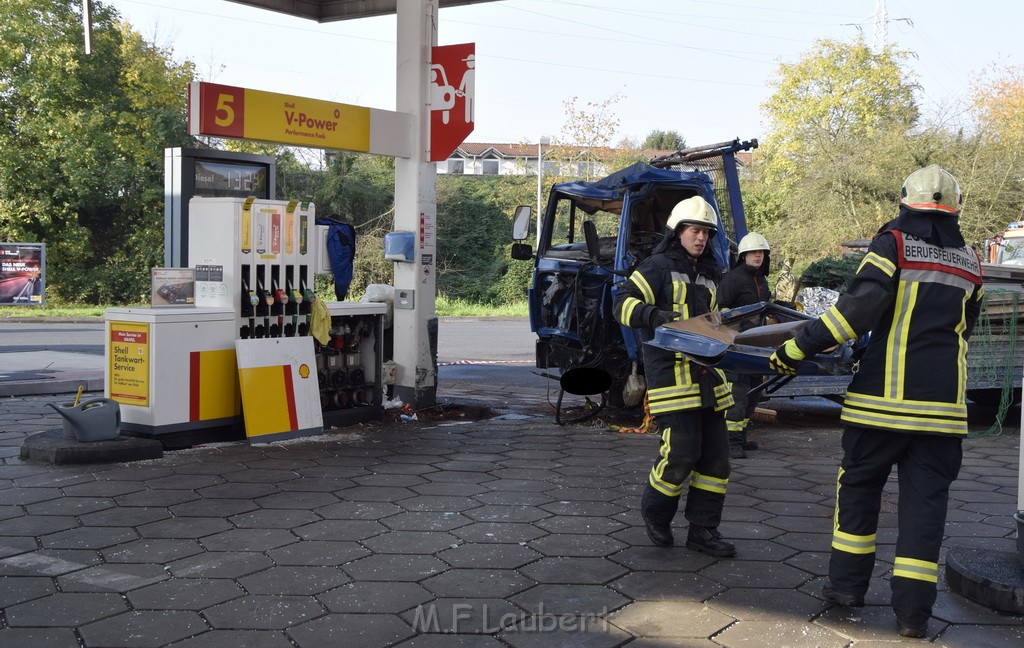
661	317
786	358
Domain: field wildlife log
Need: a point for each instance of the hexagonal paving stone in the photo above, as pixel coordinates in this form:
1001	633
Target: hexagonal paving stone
500	532
152	550
249	540
238	491
491	513
156	498
980	635
750	604
296	500
88	538
112	578
489	556
375	598
294	580
554	630
363	630
111	488
463	616
452	641
274	519
233	638
439	503
568	544
661	586
193	527
69	506
261	476
576	507
12	546
426	521
573	570
757	634
263	612
143	629
310	484
357	510
213	508
314	552
569	599
377	494
389	567
64	610
125	516
185	594
36	525
580	524
679	618
36	637
184	482
870	623
735	573
18	589
411	542
28	495
47	562
448	489
340	530
477	583
219	564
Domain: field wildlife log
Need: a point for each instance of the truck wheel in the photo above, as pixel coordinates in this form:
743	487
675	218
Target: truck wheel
992	397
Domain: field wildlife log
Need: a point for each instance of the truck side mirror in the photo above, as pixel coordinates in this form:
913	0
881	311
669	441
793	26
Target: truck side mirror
521	223
522	251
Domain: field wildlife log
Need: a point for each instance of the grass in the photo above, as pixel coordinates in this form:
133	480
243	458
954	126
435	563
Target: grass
443	306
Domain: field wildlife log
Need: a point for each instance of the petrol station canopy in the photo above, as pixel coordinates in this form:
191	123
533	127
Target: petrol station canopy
332	10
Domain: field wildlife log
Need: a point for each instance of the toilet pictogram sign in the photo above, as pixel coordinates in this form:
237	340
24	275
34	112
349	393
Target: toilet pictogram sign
452	97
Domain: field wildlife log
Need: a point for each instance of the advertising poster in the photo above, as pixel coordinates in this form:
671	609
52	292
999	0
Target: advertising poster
22	274
173	287
129	363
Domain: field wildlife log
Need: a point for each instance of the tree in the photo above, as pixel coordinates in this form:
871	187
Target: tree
660	140
840	132
991	163
591	131
83	139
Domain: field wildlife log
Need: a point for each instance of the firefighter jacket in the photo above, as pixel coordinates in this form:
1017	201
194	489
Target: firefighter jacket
672	280
920	302
743	286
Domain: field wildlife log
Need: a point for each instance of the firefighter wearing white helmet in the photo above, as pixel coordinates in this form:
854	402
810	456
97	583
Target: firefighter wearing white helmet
918	292
678	281
745	284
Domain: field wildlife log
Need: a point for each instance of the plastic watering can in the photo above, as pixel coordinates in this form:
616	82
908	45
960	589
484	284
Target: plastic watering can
97	419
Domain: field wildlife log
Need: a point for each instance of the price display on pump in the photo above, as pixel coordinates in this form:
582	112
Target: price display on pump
229	111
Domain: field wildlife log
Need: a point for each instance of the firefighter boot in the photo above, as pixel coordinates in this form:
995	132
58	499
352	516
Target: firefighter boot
657	511
709	540
736	450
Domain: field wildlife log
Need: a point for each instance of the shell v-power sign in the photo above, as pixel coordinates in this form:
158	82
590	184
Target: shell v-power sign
241	113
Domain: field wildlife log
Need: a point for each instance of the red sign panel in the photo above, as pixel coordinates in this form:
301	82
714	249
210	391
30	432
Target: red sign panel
452	96
221	110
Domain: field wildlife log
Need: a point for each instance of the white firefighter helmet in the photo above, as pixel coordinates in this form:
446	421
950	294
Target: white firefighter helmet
753	242
693	211
931	189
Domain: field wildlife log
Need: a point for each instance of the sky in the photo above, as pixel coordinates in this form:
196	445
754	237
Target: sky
698	67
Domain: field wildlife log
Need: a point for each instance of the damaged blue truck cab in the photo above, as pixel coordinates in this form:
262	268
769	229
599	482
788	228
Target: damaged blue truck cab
592	234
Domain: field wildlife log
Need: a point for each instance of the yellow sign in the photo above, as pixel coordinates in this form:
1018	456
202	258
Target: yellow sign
129	363
229	111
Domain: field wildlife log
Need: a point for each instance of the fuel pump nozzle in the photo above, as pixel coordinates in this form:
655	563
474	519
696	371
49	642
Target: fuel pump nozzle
268	300
309	297
249	303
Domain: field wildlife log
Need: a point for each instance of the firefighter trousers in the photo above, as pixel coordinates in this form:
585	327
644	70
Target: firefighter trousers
695	449
926	465
737	417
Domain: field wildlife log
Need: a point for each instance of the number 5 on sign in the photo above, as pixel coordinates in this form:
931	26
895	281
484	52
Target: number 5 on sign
220	109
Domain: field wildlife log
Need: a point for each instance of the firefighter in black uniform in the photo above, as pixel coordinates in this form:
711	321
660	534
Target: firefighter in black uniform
677	281
919	292
743	285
